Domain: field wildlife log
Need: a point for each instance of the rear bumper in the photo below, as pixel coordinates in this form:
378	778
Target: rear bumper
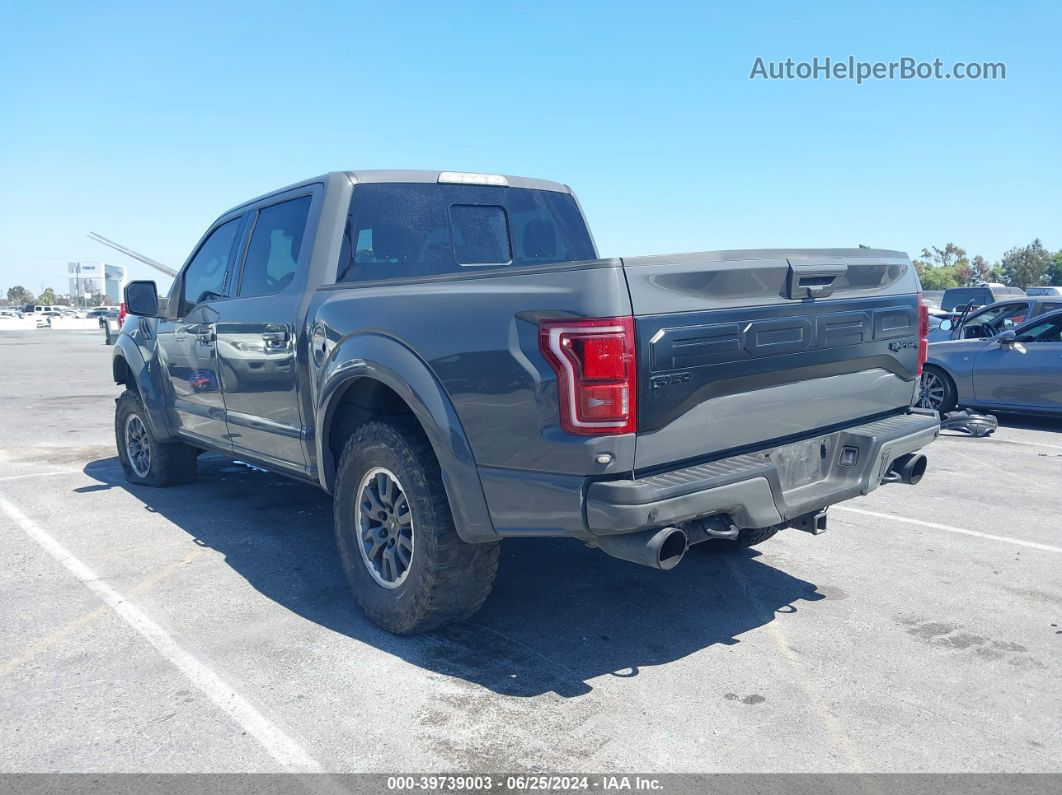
764	488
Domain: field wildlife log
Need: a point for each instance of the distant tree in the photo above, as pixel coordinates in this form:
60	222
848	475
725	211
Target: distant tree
19	295
47	297
964	274
941	268
1054	272
863	245
935	277
982	271
945	257
1028	265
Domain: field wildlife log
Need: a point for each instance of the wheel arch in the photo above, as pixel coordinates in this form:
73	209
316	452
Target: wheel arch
371	376
937	364
129	369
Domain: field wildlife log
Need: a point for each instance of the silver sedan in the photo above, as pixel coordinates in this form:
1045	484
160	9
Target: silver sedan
1019	370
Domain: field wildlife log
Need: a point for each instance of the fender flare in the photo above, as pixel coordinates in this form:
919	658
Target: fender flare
388	361
128	356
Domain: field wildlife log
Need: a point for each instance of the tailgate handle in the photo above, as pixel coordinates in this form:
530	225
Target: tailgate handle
812	281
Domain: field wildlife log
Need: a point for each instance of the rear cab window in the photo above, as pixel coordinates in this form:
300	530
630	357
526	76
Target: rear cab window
416	230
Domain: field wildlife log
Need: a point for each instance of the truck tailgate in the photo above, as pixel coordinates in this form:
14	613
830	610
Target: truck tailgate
743	348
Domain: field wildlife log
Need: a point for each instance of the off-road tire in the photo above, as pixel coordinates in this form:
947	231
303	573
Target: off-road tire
746	538
171	463
447	579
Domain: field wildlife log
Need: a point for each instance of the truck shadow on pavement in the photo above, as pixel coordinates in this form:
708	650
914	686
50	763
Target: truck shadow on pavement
560	614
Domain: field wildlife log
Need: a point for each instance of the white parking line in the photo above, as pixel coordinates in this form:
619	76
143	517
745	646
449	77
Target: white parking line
286	751
1029	444
949	528
40	475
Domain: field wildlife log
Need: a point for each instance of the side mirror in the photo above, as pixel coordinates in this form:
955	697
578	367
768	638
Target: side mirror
946	325
1008	341
142	298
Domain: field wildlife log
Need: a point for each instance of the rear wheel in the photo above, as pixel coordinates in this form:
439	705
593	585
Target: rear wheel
145	459
936	390
407	566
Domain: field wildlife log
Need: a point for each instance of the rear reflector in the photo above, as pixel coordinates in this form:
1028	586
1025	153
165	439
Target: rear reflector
465	178
923	333
595	366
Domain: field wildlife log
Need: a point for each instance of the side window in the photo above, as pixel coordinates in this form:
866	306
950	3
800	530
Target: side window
1049	330
204	278
273	253
1007	317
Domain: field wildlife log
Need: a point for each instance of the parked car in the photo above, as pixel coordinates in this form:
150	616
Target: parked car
1017	370
44	318
992	319
955	299
446	354
1049	290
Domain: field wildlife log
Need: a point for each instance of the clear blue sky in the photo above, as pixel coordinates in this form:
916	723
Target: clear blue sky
143	121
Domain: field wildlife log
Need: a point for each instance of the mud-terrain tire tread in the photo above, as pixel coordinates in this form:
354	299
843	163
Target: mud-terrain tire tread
750	537
451	579
172	463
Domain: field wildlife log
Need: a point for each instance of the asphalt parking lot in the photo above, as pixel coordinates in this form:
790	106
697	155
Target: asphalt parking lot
208	627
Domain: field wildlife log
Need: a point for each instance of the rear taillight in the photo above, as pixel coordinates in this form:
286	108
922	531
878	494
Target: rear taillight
121	314
923	333
595	365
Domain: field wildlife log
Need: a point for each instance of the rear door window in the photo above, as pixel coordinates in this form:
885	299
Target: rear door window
273	253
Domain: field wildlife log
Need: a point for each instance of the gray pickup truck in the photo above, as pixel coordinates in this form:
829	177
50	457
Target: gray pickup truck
446	354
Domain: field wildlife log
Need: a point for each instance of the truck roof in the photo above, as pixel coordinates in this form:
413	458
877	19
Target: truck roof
400	175
408	175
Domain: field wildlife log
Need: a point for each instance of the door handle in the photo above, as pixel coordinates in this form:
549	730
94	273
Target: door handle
275	337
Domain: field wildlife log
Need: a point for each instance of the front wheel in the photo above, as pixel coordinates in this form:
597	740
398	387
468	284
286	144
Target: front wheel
408	568
936	390
145	459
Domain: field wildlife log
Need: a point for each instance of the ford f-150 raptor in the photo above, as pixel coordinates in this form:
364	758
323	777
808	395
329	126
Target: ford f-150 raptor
446	354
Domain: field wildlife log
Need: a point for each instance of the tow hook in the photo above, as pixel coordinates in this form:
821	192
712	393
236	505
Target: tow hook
718	526
814	523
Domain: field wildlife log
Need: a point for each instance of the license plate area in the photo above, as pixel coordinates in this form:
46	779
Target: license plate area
804	462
